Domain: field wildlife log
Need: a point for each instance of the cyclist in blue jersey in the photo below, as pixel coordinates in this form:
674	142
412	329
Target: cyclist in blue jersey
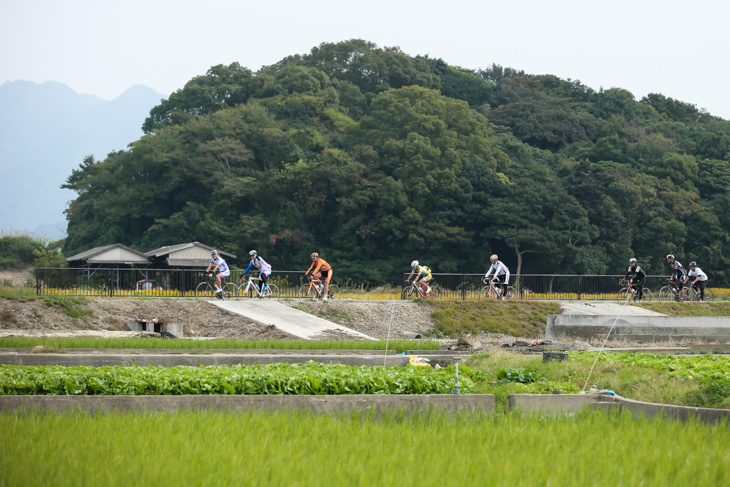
218	266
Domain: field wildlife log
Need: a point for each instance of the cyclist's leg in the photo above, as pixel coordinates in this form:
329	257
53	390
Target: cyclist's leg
640	289
701	285
502	285
265	281
427	284
327	280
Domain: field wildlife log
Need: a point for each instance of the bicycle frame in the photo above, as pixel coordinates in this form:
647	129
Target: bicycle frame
251	284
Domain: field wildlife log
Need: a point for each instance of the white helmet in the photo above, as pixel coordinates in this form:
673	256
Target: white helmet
493	257
632	260
214	252
252	253
414	264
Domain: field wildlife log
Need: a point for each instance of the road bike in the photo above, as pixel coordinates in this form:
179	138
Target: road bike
491	291
412	291
206	289
629	293
692	293
671	292
314	289
251	288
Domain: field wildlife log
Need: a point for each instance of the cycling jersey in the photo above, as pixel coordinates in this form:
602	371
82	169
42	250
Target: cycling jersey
697	273
679	271
499	270
320	264
637	273
222	266
423	269
260	264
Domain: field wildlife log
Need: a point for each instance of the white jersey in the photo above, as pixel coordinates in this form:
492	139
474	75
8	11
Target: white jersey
499	269
697	273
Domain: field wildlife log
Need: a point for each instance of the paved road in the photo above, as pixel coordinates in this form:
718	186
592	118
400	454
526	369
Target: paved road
286	318
609	308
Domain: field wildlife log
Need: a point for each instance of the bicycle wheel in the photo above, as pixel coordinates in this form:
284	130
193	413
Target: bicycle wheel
646	295
271	292
230	290
334	292
709	295
665	294
305	291
408	293
204	291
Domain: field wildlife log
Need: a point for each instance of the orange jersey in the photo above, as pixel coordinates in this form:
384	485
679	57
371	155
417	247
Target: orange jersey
320	263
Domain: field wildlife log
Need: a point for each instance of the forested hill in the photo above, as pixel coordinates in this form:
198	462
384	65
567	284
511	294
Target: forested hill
375	158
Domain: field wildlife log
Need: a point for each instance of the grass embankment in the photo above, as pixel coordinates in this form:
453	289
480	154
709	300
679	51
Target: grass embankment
699	381
516	317
73	306
299	448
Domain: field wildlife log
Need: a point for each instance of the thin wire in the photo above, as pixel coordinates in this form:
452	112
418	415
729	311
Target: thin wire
602	346
387	340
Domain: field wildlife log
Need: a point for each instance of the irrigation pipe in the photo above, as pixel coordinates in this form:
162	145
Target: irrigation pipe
387	340
603	345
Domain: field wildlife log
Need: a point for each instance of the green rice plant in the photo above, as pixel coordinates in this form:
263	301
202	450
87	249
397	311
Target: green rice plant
278	378
397	346
297	448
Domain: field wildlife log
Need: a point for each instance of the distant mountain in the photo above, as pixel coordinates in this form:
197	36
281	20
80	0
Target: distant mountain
46	130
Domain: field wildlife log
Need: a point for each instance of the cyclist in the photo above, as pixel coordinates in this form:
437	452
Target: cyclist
218	264
263	267
700	279
638	277
501	275
422	283
320	264
678	276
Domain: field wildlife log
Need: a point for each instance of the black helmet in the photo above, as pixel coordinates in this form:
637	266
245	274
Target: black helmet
693	264
214	252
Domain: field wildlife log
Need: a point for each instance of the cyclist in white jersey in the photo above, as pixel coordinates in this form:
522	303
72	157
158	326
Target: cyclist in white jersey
501	275
700	280
263	267
218	264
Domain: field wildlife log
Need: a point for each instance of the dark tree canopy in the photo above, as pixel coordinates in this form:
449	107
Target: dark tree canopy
375	158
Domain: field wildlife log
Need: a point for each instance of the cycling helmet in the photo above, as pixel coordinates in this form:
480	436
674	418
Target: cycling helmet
670	256
693	264
252	253
314	255
632	260
494	257
414	264
214	252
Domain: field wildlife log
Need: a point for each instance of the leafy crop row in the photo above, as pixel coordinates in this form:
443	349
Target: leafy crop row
702	368
309	378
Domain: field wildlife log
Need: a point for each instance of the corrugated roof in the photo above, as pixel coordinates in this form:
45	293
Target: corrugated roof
169	249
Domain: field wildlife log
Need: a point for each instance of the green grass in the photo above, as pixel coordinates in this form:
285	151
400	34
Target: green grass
301	449
700	381
714	308
216	344
517	318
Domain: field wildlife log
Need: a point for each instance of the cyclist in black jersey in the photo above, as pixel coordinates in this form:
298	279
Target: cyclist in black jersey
638	277
679	275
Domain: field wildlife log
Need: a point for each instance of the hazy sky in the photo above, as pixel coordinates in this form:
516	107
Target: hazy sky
678	49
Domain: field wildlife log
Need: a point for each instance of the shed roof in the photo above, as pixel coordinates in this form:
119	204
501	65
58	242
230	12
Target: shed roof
172	249
110	254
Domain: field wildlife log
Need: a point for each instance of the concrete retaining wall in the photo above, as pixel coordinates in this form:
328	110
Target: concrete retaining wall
705	329
571	403
450	403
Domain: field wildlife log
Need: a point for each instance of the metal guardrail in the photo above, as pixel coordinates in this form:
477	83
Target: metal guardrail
119	282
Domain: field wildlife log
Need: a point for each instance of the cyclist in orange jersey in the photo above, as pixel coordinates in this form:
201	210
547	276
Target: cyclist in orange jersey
320	264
